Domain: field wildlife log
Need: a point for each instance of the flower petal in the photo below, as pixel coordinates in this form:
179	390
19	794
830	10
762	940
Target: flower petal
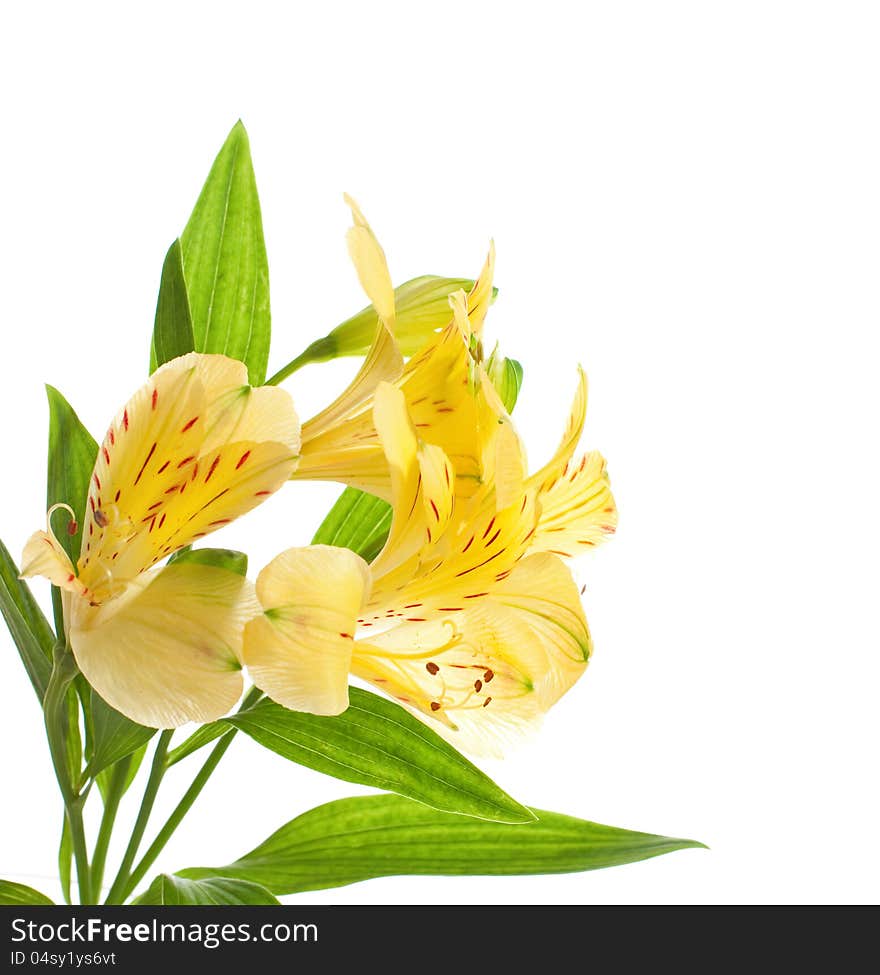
567	446
539	612
371	266
194	448
490	672
452	403
348	417
44	556
421	482
299	650
577	510
167	650
480	296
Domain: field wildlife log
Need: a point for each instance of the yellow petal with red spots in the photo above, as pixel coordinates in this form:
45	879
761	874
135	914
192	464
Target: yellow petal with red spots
421	482
168	650
567	446
577	509
299	650
488	673
193	449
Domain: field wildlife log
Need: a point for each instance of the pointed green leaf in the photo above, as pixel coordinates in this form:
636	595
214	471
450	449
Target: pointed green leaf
72	453
168	889
30	632
18	894
356	839
172	330
225	264
376	742
114	736
220	558
358	521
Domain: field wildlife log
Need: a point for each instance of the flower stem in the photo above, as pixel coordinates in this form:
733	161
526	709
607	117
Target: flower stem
321	350
115	791
157	771
182	808
189	798
55	715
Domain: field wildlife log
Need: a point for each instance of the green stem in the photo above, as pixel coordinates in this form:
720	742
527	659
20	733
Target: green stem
182	808
55	714
321	350
189	798
155	780
115	790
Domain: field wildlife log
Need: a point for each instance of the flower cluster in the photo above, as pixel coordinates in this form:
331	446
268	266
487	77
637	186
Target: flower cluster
469	615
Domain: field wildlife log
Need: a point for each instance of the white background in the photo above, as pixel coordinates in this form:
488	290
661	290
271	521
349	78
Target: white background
685	197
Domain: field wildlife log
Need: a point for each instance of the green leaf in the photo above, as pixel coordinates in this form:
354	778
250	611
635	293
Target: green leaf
358	521
72	453
356	839
220	558
30	632
224	261
168	889
114	736
17	894
172	330
377	743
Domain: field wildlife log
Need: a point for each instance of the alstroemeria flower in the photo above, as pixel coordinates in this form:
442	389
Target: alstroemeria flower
193	449
452	400
468	615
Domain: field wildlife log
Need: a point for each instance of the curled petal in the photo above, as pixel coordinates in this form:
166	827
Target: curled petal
44	556
299	650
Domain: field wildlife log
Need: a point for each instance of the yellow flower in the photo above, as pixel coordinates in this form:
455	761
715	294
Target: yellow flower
468	615
193	449
452	400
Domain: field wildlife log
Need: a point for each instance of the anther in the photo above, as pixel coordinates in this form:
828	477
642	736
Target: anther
435	705
100	518
72	527
488	675
431	667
